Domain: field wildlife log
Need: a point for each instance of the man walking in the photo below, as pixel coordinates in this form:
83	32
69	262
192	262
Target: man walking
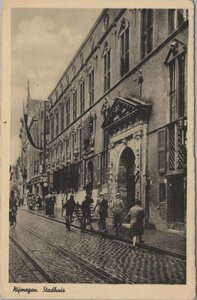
103	207
118	208
69	206
86	209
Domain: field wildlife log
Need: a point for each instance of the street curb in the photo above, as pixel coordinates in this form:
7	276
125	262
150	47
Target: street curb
115	237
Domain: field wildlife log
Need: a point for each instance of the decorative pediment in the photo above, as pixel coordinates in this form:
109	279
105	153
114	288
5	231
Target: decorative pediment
176	47
124	108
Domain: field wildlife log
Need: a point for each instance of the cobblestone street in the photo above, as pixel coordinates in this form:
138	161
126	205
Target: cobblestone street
76	257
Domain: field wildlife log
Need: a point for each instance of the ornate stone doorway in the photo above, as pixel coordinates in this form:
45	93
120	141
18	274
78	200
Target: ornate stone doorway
126	178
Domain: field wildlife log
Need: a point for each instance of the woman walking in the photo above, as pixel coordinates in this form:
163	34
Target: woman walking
136	215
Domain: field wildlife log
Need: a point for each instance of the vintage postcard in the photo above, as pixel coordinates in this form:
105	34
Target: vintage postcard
97	150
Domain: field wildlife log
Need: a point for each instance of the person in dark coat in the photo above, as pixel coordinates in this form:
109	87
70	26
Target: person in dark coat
137	215
70	207
50	206
12	208
86	209
103	207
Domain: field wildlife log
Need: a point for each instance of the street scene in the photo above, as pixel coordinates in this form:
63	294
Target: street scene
83	257
98	173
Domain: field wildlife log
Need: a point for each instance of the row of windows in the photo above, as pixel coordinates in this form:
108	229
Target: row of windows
176	18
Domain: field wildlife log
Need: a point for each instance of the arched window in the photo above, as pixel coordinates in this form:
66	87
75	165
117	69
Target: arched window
124	47
146	32
107	66
82	96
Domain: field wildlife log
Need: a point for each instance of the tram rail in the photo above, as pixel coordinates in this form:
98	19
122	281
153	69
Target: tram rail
90	268
32	261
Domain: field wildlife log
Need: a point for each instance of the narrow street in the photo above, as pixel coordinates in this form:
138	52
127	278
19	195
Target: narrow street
42	250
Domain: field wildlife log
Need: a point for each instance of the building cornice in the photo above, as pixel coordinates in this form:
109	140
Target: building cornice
131	71
92	52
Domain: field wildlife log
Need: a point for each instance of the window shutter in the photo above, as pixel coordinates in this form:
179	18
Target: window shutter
162	150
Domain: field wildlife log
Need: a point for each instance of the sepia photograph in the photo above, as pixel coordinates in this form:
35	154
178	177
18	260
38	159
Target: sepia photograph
100	129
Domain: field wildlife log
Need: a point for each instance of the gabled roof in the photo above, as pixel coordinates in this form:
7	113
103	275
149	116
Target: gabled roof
123	107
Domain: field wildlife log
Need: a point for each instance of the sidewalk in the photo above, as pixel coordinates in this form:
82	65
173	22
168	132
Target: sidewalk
164	242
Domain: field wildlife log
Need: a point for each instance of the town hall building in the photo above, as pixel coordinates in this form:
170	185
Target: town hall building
118	115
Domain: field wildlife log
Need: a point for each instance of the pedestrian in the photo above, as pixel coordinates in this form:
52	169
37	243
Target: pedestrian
103	212
137	215
50	206
96	208
69	206
22	200
86	210
96	211
39	202
12	208
47	206
118	208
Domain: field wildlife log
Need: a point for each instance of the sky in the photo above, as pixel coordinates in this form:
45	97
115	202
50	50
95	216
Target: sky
43	42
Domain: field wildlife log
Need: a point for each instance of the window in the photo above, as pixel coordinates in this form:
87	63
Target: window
161	150
147	32
67	112
176	17
61	151
52	127
91	87
172	91
181	85
80	175
162	192
73	141
67	150
82	97
83	173
57	123
62	117
47	126
124	52
74	105
80	143
107	71
177	87
99	169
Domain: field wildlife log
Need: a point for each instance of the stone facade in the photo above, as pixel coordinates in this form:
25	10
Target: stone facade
114	104
34	154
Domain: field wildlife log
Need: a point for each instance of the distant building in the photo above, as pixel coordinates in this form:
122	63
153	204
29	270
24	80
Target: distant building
118	114
16	179
34	155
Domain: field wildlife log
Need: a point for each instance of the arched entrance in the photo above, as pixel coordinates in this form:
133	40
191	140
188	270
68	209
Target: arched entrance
126	178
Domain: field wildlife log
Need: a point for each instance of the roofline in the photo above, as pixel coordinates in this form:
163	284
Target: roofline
80	48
